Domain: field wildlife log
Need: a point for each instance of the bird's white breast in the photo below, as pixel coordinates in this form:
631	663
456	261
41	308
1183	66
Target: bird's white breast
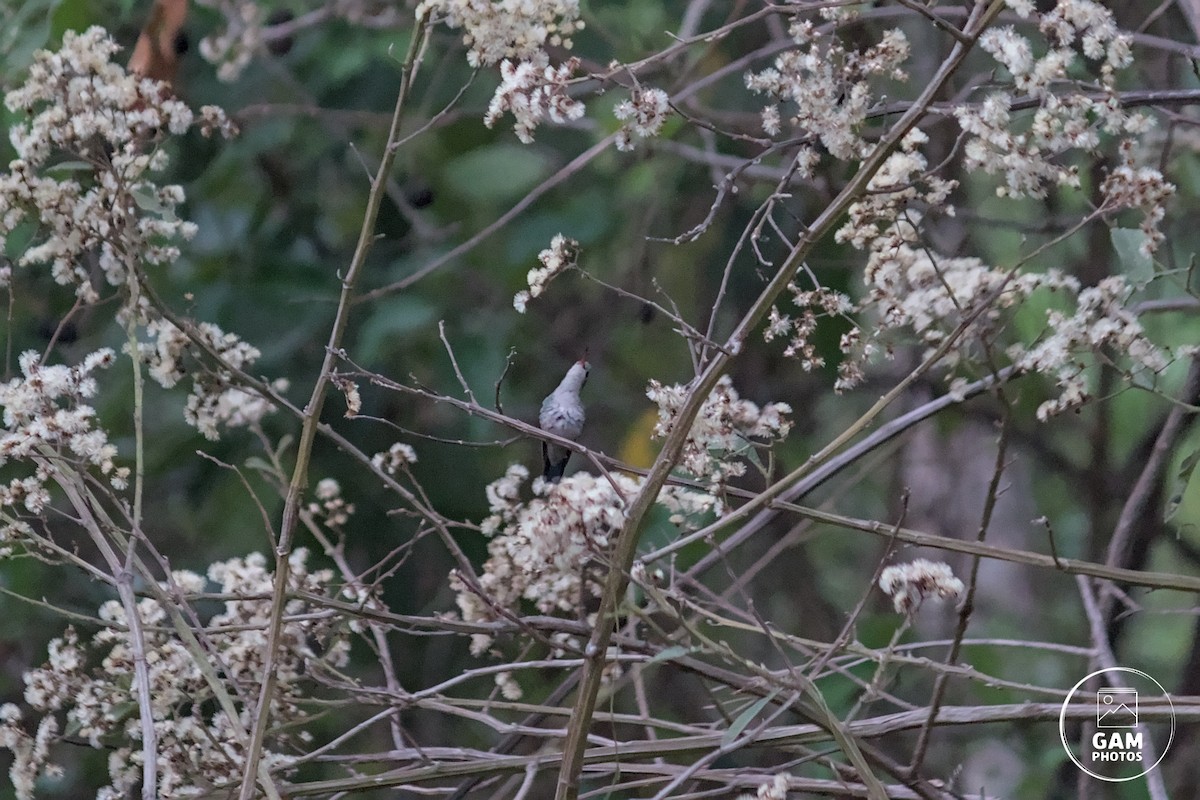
562	418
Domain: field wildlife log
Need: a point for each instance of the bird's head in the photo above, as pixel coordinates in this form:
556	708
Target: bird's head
578	374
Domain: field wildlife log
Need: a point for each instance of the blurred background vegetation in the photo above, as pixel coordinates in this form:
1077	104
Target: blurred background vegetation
279	209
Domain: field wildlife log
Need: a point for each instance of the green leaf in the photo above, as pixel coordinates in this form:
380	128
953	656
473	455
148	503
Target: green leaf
146	201
658	531
74	15
259	465
1138	267
123	711
669	653
1182	478
744	718
26	29
71	166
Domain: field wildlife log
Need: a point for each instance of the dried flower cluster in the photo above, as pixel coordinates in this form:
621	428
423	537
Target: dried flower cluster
533	90
86	688
1100	327
777	789
900	184
329	505
545	550
723	431
515	33
507	29
813	304
910	584
1067	118
642	115
910	285
827	87
233	46
79	104
561	254
215	399
49	425
540	550
397	457
1145	188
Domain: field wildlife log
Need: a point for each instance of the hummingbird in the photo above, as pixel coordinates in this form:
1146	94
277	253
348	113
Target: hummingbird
562	414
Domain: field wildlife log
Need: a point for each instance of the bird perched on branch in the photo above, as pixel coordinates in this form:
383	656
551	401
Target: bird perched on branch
562	415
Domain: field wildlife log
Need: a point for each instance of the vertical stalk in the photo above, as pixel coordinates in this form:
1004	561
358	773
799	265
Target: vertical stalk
124	578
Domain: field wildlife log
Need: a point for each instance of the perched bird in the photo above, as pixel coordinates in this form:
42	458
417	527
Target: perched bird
562	414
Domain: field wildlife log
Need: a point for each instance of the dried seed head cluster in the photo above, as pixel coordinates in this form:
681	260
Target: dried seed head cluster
775	789
544	550
507	29
900	184
561	254
49	425
910	285
642	115
233	46
1144	188
723	431
910	584
515	33
827	87
540	550
329	504
1068	117
215	399
814	304
396	458
1101	326
77	104
533	90
87	687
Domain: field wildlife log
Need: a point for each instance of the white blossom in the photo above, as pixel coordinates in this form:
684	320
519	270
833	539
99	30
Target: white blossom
723	431
540	550
49	424
1029	154
911	584
1100	322
76	101
398	456
215	400
508	686
561	254
330	505
513	29
90	682
232	47
642	115
532	91
825	86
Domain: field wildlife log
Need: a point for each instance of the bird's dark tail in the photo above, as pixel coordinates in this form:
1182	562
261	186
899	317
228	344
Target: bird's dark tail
553	464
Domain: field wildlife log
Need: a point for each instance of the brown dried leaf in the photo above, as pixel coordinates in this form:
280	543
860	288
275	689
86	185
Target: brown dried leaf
155	55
